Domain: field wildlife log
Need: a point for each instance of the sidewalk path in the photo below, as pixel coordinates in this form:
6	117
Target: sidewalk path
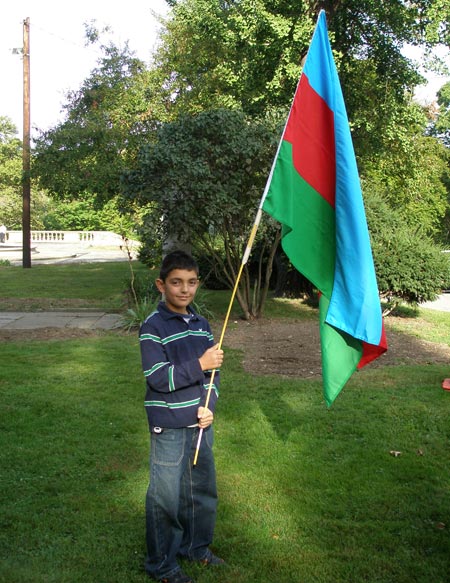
62	253
44	253
35	320
103	321
442	303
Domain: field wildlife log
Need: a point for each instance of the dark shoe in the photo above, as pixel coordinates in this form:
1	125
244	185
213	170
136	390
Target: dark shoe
177	577
211	560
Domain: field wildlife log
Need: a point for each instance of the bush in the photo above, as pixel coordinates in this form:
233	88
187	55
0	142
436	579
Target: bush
135	316
144	287
211	278
410	267
151	236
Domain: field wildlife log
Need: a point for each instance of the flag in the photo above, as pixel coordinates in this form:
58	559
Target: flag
314	191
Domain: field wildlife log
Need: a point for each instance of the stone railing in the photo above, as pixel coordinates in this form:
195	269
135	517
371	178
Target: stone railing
80	237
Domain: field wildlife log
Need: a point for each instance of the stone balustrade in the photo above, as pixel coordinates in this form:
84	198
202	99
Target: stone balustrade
79	237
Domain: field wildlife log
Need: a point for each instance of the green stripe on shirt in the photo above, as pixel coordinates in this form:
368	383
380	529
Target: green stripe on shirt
214	388
171	381
150	337
165	405
185	334
154	368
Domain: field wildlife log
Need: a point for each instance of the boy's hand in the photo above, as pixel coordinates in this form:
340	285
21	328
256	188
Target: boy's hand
212	358
205	417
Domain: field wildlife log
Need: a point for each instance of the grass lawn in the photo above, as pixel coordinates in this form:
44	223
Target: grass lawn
306	494
97	286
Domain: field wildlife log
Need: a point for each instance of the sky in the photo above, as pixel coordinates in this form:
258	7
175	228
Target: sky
59	59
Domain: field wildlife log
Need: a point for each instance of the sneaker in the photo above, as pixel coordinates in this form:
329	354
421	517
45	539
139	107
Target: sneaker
177	577
211	559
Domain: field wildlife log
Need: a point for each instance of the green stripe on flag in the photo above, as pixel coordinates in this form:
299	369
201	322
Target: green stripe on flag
340	355
308	222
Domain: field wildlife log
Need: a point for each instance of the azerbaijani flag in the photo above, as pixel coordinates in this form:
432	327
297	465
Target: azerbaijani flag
314	191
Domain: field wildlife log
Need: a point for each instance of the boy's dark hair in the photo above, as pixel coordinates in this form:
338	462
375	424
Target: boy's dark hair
177	260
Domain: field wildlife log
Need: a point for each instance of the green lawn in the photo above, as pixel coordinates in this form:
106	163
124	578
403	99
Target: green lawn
82	285
102	286
307	494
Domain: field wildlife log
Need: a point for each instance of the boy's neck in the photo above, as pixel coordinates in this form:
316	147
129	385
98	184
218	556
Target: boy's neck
176	310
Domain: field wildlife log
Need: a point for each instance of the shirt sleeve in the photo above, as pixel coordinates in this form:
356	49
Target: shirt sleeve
215	386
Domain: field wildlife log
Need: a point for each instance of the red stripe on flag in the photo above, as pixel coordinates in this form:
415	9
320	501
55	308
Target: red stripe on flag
372	351
310	130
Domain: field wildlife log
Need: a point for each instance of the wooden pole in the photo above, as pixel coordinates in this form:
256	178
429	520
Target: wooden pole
230	305
244	261
26	185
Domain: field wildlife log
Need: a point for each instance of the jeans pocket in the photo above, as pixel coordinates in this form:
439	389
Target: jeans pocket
168	447
208	435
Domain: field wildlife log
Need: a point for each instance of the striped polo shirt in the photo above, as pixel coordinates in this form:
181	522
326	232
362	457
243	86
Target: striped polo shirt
176	386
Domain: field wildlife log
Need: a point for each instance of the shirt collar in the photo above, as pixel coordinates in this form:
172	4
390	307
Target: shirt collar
169	314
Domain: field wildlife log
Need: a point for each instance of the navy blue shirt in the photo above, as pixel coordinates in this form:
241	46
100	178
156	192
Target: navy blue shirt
170	351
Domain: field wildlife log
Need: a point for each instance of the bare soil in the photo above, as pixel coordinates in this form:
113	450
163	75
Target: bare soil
289	348
292	348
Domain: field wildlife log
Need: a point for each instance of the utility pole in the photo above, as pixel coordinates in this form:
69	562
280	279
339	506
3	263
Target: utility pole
26	223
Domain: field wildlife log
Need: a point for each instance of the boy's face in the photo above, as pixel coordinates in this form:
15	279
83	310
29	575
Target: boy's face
179	289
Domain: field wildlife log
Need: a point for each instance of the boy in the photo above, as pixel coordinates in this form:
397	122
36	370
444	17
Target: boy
178	356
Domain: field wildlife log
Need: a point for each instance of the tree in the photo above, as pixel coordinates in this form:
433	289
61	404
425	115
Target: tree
11	181
409	266
441	126
11	161
437	22
206	173
243	55
248	54
409	171
82	215
107	120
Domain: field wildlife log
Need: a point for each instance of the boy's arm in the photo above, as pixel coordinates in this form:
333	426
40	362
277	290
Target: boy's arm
161	374
217	360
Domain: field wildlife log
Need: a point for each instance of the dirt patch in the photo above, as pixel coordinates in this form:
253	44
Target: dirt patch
45	304
292	348
47	334
288	348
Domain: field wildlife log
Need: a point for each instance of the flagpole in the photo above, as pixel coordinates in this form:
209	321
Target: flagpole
243	263
269	179
230	305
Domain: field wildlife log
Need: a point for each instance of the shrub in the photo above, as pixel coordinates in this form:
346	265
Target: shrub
134	317
410	267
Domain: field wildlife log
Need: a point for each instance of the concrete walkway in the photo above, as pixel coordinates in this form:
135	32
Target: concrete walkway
442	303
88	320
62	253
34	320
44	253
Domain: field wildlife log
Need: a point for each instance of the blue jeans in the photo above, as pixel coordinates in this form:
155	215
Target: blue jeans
181	500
